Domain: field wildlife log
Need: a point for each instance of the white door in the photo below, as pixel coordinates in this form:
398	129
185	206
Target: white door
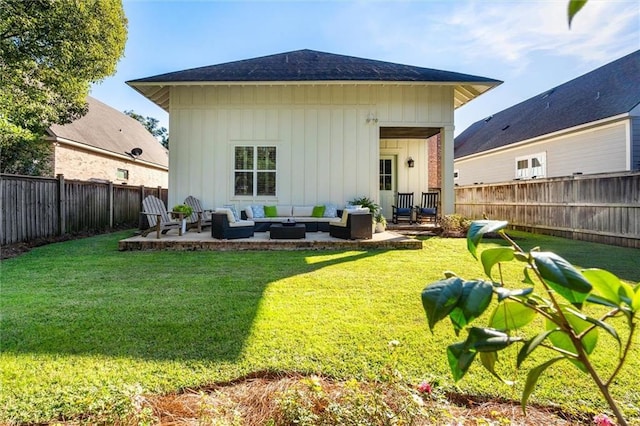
387	184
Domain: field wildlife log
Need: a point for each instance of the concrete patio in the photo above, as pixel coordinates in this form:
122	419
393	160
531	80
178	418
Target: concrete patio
192	240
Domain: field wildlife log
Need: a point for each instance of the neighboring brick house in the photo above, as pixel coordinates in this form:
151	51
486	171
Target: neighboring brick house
108	145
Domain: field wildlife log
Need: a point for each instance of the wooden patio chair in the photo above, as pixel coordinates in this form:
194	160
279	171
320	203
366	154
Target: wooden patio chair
403	207
200	217
158	217
428	208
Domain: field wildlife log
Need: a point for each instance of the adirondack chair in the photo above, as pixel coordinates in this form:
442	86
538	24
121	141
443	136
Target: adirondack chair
200	217
403	207
428	208
158	217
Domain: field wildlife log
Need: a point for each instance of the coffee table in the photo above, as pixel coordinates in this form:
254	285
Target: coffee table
278	231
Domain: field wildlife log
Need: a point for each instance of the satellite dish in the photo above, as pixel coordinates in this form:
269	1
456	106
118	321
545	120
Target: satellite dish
136	152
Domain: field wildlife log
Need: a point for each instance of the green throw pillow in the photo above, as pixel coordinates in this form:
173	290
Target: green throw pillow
270	211
318	211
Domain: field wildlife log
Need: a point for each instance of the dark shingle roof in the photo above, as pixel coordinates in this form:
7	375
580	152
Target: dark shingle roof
107	128
309	65
608	91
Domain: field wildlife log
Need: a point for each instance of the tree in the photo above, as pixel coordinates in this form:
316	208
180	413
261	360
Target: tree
151	124
50	53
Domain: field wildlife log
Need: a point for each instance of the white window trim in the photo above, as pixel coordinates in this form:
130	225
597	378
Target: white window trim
254	170
531	172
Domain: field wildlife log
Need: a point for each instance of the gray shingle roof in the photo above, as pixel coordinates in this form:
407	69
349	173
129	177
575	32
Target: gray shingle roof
608	91
107	128
310	66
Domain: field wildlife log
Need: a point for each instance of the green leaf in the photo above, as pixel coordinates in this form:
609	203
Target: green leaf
532	379
605	284
440	298
573	8
562	340
606	327
511	315
488	339
530	345
503	293
626	293
635	303
460	360
491	256
475	298
527	275
480	227
489	360
562	277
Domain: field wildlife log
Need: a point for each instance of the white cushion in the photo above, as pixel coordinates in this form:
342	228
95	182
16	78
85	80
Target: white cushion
249	212
302	210
283	211
230	217
241	223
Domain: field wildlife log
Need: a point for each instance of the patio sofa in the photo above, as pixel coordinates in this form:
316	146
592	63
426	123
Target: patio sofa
355	224
315	218
224	226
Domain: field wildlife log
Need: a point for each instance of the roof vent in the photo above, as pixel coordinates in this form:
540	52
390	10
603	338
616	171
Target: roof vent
548	93
506	127
486	120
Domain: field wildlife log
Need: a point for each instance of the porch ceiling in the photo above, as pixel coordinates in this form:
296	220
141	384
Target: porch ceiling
408	132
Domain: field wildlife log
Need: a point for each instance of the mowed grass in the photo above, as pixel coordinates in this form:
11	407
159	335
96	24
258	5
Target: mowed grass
86	328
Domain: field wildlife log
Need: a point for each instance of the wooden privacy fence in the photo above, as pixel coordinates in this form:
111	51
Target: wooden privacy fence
37	207
598	208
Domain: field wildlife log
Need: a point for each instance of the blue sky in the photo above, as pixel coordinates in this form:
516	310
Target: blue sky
525	43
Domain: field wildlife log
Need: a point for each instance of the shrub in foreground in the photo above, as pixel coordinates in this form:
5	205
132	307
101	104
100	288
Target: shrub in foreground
568	332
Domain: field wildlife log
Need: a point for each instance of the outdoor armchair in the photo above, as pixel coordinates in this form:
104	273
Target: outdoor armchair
428	208
403	207
158	217
200	217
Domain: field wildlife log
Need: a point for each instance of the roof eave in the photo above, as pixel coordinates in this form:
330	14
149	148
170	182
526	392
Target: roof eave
158	92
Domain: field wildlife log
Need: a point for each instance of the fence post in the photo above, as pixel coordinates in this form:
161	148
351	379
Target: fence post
111	206
62	208
141	217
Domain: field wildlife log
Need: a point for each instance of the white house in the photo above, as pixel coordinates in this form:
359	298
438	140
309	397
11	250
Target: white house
588	125
308	127
108	145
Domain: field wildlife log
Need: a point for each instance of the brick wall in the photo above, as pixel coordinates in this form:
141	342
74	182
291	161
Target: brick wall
75	163
435	148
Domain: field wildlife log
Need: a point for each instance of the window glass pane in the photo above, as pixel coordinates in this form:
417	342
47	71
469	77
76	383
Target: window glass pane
266	183
535	162
387	183
387	167
523	164
244	183
244	158
266	158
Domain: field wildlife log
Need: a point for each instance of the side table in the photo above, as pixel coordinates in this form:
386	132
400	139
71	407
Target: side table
277	231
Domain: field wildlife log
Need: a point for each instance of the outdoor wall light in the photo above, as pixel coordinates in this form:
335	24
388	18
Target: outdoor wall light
371	118
411	162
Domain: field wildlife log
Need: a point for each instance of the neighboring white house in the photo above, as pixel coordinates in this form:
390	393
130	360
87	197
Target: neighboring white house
588	125
307	127
109	146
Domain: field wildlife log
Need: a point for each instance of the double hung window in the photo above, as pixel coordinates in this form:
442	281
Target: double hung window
255	171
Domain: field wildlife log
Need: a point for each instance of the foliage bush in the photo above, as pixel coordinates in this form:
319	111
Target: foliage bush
182	208
569	333
454	225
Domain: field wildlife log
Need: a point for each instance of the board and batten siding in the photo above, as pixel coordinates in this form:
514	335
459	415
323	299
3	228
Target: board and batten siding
326	149
597	150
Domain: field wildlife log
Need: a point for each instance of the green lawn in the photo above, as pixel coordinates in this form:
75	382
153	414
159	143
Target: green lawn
85	327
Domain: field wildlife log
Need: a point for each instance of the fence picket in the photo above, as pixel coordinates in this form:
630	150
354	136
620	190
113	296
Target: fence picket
600	208
40	207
